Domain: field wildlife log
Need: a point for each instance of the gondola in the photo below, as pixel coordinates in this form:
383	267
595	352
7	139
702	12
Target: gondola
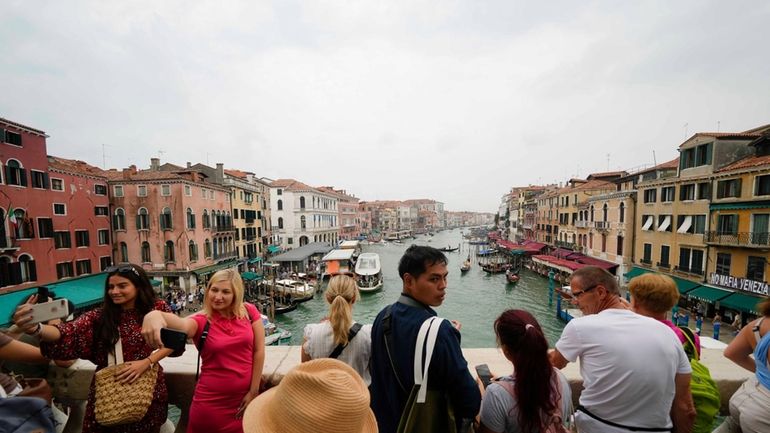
448	249
512	276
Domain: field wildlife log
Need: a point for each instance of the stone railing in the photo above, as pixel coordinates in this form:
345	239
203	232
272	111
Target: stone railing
73	383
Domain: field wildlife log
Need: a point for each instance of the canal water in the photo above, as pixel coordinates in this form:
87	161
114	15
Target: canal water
475	298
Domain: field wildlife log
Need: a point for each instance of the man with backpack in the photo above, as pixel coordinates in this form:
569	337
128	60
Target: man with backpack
423	272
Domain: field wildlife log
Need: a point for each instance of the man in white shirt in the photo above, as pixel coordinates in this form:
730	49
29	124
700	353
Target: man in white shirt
635	372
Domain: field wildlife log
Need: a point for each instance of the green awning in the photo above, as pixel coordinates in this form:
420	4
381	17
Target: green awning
763	204
635	272
81	291
156	283
742	302
708	294
683	285
255	260
272	249
251	276
518	252
210	269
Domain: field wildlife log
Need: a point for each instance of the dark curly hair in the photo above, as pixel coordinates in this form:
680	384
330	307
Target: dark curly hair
144	303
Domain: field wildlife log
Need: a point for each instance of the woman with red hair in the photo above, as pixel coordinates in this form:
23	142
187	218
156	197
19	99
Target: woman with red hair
536	397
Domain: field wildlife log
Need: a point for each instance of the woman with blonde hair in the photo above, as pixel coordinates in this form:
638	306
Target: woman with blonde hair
653	295
338	336
231	341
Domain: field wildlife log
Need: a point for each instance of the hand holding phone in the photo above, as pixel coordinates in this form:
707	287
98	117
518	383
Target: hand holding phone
56	309
174	340
482	370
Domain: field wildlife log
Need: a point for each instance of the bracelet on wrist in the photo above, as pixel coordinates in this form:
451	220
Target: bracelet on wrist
152	364
37	331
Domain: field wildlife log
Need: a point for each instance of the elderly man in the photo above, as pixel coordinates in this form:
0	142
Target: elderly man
635	373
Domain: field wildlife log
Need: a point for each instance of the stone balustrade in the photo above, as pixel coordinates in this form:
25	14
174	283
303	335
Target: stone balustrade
73	383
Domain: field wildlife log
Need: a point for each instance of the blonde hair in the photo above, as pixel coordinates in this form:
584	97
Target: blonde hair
655	292
237	309
341	294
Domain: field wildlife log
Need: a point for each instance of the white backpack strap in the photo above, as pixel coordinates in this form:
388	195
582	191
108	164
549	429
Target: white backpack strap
418	346
117	358
755	329
435	324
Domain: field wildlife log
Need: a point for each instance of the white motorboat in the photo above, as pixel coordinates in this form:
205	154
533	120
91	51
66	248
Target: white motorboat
368	272
274	334
300	291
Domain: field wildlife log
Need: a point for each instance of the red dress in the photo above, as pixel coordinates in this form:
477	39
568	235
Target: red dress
79	340
226	362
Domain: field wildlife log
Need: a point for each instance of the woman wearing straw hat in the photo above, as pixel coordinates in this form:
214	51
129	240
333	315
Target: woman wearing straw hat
320	396
339	336
233	354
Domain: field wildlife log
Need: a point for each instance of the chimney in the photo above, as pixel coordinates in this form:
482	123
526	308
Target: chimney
154	164
189	165
127	172
219	176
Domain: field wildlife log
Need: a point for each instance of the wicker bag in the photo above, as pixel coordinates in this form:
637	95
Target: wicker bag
118	403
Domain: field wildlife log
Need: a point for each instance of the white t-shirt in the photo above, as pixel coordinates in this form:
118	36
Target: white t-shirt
628	363
499	410
319	343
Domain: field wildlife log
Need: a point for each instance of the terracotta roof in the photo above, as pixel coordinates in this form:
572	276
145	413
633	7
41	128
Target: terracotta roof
74	166
143	175
751	135
758	129
607	174
237	173
291	185
594	184
749	162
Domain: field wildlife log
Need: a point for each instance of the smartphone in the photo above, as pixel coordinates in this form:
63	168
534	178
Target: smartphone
174	340
56	309
482	370
42	295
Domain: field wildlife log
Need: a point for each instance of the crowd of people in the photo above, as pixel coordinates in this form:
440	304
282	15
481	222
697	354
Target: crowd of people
406	371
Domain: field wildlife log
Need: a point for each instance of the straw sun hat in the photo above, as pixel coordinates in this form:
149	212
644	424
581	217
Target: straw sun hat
320	396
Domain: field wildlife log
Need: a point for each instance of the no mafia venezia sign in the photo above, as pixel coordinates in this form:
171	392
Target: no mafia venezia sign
737	283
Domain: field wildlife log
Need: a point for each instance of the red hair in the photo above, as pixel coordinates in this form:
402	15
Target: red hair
523	339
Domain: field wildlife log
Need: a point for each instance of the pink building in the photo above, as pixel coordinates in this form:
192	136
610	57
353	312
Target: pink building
54	219
348	217
175	224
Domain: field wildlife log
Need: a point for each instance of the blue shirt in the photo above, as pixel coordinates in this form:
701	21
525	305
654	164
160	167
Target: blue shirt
448	369
760	361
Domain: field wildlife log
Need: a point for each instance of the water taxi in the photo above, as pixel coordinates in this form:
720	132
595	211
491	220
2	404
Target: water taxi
298	291
466	266
368	272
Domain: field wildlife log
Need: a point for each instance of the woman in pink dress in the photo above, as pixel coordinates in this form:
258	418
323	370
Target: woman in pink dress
232	356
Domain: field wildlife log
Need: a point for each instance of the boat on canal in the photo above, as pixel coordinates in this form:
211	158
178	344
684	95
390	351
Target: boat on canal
273	334
368	273
495	268
512	276
298	291
448	249
466	266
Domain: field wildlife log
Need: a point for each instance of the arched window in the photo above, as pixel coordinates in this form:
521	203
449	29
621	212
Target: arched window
280	204
303	240
119	219
280	222
207	248
165	219
123	252
142	219
302	222
591	240
193	251
604	212
622	212
146	258
302	202
15	173
206	220
168	251
592	213
190	219
27	266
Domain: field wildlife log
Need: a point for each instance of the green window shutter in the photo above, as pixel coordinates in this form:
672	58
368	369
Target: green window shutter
23	176
709	152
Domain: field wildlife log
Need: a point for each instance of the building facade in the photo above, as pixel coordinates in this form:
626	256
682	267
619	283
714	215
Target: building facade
302	214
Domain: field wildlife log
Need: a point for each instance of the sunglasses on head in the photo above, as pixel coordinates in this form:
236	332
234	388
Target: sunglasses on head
122	269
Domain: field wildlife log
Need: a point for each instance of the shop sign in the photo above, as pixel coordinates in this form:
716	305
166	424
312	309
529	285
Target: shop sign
737	283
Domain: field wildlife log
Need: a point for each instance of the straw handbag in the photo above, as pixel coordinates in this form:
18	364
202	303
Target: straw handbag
118	403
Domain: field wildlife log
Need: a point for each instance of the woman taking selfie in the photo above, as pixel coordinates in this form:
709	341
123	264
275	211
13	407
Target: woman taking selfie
536	396
232	356
128	297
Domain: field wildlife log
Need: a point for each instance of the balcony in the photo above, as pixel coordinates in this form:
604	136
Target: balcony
8	244
602	225
226	255
743	239
568	245
582	224
663	265
689	271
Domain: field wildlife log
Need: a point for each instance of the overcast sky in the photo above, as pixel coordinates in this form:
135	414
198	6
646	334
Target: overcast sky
451	100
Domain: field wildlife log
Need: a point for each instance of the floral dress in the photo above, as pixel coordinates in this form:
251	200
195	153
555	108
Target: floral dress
79	339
